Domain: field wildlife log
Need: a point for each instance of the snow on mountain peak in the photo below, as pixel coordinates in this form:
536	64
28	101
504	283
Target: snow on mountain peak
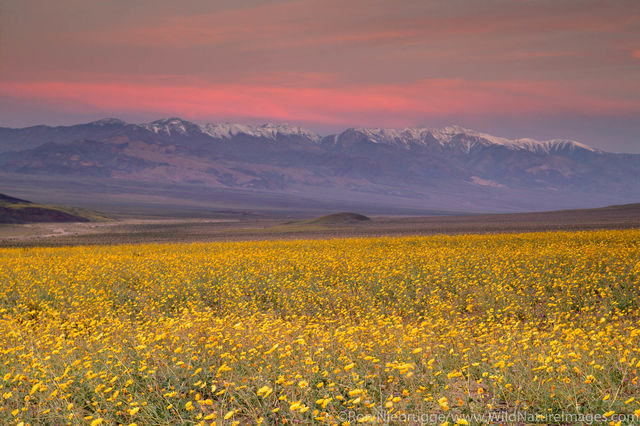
171	126
453	136
267	130
463	138
521	143
224	130
274	129
177	126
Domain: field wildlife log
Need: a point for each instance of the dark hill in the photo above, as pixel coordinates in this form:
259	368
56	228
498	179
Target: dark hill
6	199
16	210
337	219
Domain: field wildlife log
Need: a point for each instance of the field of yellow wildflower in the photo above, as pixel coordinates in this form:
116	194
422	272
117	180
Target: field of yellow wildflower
321	331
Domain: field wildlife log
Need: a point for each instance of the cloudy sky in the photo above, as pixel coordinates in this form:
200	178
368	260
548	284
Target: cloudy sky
539	69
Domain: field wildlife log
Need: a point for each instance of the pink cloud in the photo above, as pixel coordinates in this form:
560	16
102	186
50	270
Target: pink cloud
378	105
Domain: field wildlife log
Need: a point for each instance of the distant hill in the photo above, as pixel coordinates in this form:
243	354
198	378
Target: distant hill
16	210
5	199
288	167
337	219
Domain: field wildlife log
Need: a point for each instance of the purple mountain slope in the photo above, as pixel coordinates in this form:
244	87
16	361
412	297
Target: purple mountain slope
449	168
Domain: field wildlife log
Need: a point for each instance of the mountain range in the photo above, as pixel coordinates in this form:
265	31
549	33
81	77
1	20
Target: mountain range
277	166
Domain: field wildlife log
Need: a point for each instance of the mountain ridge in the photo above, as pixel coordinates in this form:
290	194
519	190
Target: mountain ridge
448	168
175	125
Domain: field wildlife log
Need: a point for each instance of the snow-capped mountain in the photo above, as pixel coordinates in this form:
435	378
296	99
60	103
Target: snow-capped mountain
177	126
460	138
172	126
451	167
267	131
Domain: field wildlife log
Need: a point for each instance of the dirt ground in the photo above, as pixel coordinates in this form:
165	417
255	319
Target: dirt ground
135	231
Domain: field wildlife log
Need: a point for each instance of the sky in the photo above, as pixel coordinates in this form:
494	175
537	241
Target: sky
541	69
